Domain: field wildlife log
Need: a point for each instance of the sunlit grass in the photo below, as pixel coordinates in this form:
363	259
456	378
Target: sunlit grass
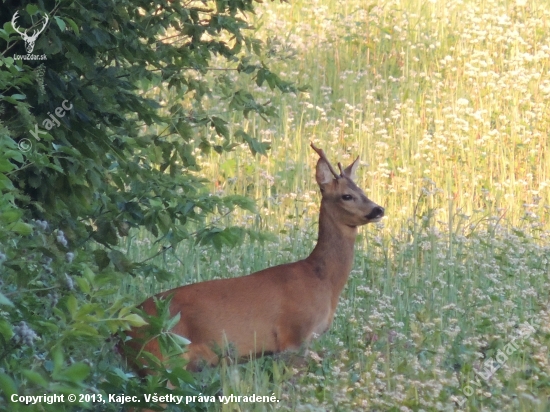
447	103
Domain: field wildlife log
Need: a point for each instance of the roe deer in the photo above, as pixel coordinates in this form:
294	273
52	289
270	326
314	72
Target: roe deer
277	308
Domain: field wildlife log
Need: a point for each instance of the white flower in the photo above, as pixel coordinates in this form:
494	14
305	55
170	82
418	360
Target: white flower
69	257
24	335
61	238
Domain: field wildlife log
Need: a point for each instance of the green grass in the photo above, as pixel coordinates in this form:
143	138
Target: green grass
447	102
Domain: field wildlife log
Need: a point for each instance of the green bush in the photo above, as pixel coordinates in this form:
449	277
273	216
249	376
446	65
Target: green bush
82	163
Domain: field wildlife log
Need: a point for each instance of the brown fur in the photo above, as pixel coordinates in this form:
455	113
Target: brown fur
281	307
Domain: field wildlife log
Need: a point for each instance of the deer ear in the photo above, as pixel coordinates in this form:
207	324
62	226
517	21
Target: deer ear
323	174
351	169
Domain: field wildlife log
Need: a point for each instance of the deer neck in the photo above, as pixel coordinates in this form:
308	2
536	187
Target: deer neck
332	257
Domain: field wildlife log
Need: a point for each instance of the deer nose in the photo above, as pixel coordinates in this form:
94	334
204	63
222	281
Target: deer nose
377	212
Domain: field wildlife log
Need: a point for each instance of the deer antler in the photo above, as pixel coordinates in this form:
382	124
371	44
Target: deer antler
35	35
15	16
322	155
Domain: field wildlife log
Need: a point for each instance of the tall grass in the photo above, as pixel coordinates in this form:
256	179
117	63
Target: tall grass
447	103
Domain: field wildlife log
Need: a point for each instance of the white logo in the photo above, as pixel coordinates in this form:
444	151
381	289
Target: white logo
29	40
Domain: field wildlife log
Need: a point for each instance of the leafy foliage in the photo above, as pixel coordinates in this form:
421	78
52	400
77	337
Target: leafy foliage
87	154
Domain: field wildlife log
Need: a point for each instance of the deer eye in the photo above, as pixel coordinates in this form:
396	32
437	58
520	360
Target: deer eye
347	197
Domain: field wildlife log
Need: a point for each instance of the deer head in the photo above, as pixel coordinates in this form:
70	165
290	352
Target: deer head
29	40
341	197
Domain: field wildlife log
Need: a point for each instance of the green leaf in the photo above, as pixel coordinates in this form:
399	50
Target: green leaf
7	385
160	274
83	284
6	166
254	145
8	61
60	23
135	320
243	202
83	329
88	273
8	99
220	126
183	375
5	329
78	59
180	340
31	9
21	228
4	300
11	216
260	77
121	262
5	183
101	259
106	233
15	155
72	305
76	372
73	25
173	322
35	377
57	358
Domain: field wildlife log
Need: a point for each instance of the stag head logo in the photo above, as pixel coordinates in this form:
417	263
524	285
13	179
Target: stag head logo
29	40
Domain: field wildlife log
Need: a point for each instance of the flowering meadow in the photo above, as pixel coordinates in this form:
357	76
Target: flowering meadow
448	105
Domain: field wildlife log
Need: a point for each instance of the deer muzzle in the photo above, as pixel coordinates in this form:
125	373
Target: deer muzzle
376	214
